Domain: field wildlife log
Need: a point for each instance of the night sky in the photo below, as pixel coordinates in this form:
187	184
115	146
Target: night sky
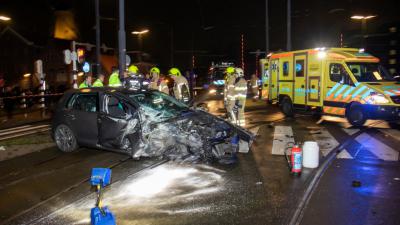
210	29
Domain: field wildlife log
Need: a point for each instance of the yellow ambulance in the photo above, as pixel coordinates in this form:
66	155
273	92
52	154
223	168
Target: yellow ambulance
344	82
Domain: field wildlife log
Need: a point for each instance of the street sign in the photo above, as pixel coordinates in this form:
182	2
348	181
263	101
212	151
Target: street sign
74	56
127	60
67	56
39	66
86	67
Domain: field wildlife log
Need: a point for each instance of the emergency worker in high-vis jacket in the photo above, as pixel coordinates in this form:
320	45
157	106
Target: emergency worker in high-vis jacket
236	97
181	85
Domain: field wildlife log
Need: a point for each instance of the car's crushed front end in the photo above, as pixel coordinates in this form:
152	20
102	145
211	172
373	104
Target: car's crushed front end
182	133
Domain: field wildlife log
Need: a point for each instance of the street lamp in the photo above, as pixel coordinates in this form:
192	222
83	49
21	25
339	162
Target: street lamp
140	32
140	40
363	19
5	18
27	75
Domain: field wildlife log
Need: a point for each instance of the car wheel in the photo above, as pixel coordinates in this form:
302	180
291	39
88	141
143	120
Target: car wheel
356	116
65	139
287	107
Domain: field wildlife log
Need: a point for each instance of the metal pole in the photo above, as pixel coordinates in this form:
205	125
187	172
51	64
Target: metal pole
364	33
98	63
74	67
288	33
266	28
121	39
172	47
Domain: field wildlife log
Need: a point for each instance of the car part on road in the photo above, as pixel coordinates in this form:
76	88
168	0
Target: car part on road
65	138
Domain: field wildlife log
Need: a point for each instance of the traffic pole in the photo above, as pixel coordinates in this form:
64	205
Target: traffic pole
98	63
74	67
288	28
121	39
266	28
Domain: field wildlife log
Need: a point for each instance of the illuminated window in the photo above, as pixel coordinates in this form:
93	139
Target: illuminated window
285	67
299	68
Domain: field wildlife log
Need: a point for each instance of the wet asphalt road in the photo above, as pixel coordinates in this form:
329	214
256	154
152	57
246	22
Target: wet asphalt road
50	187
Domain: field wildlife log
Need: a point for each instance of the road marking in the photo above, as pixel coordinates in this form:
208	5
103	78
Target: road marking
392	132
344	154
282	136
377	148
325	140
350	131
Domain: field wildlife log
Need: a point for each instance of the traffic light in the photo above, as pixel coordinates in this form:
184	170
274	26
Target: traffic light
81	55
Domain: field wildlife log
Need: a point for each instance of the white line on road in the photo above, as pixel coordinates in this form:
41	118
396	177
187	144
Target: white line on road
282	136
350	131
378	148
344	154
325	140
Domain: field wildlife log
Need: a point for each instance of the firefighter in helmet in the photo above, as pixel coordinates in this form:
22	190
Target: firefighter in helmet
229	74
181	85
236	97
135	80
154	78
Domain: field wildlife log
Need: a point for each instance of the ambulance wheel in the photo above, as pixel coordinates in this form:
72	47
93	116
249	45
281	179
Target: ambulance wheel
356	116
65	139
287	107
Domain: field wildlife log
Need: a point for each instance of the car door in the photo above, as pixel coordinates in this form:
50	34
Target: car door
118	120
82	117
300	77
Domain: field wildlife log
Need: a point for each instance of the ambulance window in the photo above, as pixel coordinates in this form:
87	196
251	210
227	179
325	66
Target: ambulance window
300	68
285	66
337	73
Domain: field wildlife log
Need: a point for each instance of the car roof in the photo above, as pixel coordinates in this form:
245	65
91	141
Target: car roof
107	90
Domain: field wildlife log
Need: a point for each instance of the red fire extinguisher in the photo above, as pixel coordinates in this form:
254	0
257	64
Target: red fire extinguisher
295	160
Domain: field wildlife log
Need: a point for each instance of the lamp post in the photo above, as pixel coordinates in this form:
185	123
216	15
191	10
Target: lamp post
363	25
140	34
4	18
140	40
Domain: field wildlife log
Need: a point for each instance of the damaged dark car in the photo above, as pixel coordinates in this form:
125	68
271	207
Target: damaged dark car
143	123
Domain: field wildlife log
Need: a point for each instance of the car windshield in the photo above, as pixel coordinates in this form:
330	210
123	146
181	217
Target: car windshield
369	72
159	105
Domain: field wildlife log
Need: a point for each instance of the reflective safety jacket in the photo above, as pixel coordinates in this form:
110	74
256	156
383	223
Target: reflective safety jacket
98	83
240	89
84	85
154	82
181	88
114	80
163	87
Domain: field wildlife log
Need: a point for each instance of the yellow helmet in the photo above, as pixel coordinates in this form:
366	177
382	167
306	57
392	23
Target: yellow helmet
133	69
230	70
155	70
175	72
